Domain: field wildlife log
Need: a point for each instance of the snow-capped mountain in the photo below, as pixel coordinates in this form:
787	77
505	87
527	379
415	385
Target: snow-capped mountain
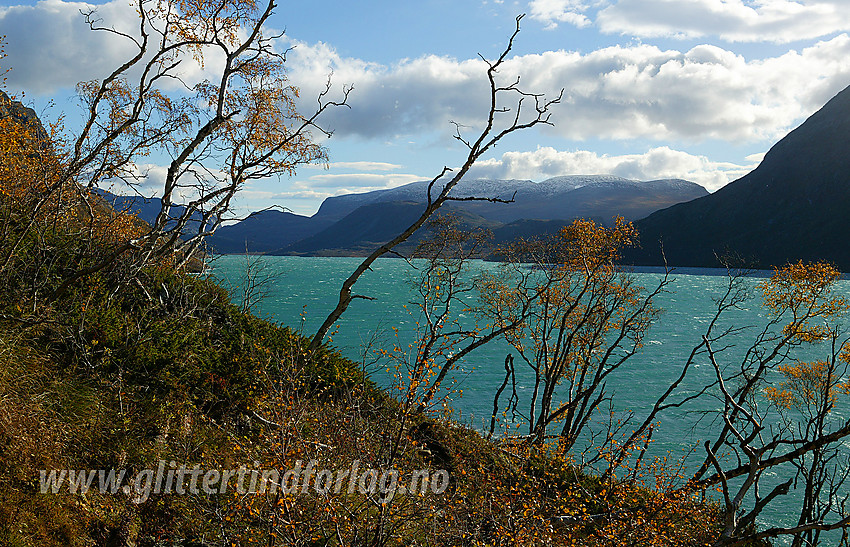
544	200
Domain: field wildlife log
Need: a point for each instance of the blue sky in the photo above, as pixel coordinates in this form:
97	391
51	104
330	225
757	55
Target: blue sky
693	89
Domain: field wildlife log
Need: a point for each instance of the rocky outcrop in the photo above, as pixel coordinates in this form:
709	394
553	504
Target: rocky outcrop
23	115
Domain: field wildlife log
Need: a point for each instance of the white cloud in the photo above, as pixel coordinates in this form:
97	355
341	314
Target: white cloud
319	187
358	182
151	178
43	57
49	45
412	96
775	21
779	21
657	163
756	158
552	12
620	92
311	195
148	180
357	165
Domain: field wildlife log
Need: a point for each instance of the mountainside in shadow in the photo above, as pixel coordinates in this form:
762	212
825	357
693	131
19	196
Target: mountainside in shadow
604	196
794	206
147	209
264	231
355	224
369	226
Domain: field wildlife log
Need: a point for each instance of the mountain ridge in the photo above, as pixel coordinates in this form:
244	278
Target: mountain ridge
558	199
521	191
792	207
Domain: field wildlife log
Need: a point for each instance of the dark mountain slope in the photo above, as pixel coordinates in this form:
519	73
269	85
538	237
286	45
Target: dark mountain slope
369	226
337	207
627	198
560	197
355	224
147	209
794	206
530	229
264	231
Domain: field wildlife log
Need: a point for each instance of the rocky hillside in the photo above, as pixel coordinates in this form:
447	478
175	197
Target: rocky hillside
794	206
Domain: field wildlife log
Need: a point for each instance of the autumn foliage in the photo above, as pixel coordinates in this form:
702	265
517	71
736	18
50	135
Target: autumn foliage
113	356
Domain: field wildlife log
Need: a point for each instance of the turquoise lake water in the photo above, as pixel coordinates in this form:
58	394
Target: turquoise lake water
304	291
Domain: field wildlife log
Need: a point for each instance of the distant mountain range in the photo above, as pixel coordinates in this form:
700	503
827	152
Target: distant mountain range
794	206
264	232
147	209
355	224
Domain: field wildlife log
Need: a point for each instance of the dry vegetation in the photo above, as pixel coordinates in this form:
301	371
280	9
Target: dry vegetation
133	364
112	356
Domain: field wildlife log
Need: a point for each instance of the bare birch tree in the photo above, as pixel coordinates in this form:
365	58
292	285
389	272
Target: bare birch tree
528	110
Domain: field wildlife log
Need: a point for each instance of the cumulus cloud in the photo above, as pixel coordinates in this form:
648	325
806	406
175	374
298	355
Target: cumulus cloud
335	184
408	97
779	21
148	180
357	165
621	92
657	163
776	21
706	92
552	12
50	46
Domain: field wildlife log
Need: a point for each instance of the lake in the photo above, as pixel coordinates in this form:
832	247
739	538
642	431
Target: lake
304	290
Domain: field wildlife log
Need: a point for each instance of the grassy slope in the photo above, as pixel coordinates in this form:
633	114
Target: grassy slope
122	376
128	367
